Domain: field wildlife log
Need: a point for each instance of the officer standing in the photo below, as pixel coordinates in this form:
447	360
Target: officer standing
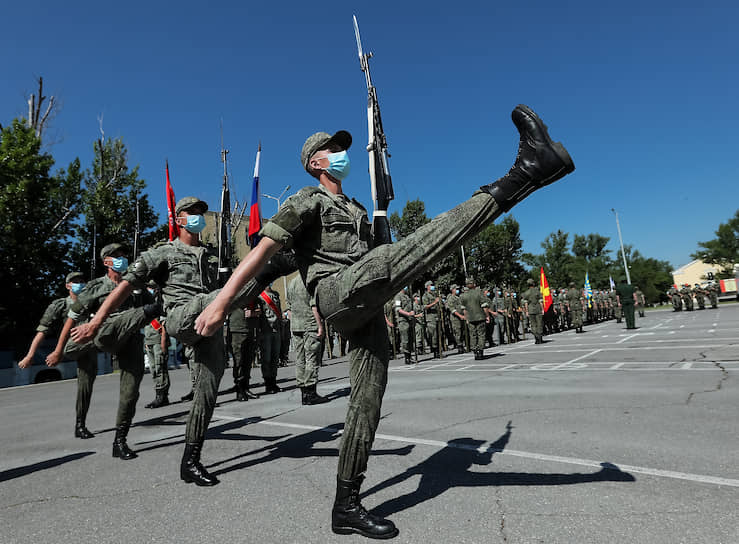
499	315
432	306
351	282
641	301
532	306
419	323
307	331
87	366
475	309
156	344
627	299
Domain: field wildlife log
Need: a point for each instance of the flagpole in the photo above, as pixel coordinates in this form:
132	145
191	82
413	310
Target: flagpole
623	253
464	261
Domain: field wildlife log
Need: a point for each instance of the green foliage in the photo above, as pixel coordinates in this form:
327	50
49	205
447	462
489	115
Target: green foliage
495	255
724	249
109	207
34	238
413	217
654	277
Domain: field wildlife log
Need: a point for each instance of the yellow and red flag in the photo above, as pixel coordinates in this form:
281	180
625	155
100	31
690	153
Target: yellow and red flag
545	293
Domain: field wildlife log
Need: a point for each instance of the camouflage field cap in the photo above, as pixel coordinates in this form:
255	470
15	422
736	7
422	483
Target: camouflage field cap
429	283
530	281
321	140
469	280
79	276
189	202
108	250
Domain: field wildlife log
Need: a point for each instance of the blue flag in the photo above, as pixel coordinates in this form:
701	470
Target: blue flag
588	291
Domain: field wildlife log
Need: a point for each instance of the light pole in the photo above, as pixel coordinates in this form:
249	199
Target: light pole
623	253
278	198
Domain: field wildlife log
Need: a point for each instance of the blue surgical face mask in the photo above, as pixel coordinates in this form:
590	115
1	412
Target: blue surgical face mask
456	291
151	291
77	287
433	288
338	165
195	223
120	264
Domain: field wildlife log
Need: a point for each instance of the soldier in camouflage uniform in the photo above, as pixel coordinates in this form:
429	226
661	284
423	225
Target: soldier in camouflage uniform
120	336
432	305
616	306
351	281
453	304
533	308
687	295
700	296
574	302
476	313
677	304
270	335
497	308
419	323
641	301
307	332
403	317
713	291
243	325
87	367
389	311
156	345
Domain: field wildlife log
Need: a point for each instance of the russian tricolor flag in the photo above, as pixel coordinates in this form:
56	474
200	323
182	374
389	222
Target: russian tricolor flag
255	212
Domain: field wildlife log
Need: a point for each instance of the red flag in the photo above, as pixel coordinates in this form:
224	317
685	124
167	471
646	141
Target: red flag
174	228
545	293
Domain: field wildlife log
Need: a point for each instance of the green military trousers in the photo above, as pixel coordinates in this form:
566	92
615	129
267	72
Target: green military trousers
158	366
87	369
308	352
244	351
432	330
457	331
536	324
576	317
404	330
477	335
269	346
629	315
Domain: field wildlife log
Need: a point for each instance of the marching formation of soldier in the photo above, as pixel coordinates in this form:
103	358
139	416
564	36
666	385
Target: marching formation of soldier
687	297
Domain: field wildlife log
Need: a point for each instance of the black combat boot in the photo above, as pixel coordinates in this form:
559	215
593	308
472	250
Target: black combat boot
247	392
539	161
188	397
270	386
120	447
349	516
311	396
80	431
241	392
460	350
408	359
191	470
161	399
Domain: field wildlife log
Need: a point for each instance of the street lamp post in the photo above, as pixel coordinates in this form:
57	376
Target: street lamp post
623	253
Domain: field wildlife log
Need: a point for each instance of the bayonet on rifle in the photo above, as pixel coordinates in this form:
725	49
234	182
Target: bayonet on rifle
379	170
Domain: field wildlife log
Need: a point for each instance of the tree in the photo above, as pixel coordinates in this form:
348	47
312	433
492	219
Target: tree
653	277
109	206
556	260
38	208
724	249
495	254
37	120
413	217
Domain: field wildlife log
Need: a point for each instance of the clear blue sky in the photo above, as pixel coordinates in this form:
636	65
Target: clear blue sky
643	94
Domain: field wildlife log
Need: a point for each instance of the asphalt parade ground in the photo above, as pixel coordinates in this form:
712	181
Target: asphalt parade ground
614	435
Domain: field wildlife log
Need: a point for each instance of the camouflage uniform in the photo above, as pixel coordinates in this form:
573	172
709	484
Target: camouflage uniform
243	346
574	300
51	323
270	341
304	327
473	302
532	299
498	306
641	302
432	306
713	290
453	303
677	304
404	323
419	323
157	358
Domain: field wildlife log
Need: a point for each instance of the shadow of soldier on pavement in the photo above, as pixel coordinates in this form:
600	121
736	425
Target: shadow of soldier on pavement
450	466
19	472
301	446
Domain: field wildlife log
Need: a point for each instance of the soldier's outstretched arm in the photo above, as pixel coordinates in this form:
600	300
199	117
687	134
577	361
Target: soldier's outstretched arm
211	318
53	358
87	331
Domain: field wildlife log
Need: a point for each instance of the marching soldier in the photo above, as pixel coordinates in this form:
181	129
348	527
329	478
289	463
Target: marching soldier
475	309
156	344
677	304
533	308
575	304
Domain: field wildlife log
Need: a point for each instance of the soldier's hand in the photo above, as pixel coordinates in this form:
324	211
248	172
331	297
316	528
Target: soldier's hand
210	319
82	334
25	362
321	331
53	358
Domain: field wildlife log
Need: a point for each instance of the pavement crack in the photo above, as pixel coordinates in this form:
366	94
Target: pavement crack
84	497
501	510
724	377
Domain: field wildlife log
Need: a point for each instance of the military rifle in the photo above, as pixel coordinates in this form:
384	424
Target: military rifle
224	224
381	182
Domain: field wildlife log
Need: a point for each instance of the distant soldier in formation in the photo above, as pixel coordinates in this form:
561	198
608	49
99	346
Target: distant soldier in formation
51	325
641	301
687	295
243	326
713	291
419	324
700	296
456	317
574	302
497	307
475	309
677	303
403	317
432	306
533	308
271	338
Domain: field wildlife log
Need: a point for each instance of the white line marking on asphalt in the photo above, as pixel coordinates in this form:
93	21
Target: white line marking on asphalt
627	338
671	332
682	326
581	357
687	366
617	366
711	330
699	478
